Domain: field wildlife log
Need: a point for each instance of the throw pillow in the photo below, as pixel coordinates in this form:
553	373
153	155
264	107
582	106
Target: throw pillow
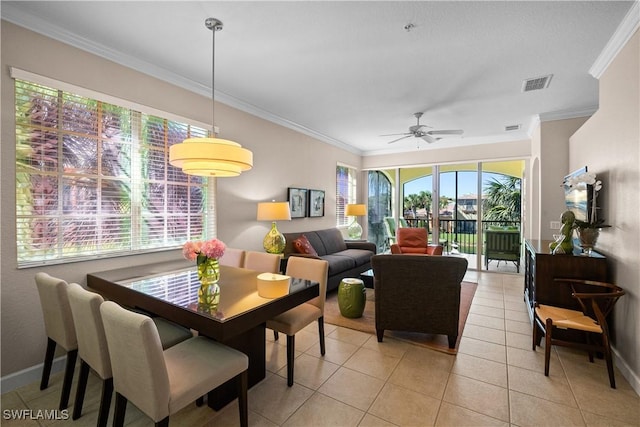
303	246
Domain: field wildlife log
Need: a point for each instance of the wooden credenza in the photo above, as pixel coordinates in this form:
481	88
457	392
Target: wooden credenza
541	268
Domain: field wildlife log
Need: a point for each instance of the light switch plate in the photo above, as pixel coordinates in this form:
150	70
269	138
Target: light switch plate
555	225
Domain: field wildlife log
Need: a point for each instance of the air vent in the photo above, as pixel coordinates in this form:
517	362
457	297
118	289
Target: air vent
511	127
536	83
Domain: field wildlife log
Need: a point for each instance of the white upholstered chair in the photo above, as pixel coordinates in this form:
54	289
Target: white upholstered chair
232	257
292	321
58	324
158	382
92	346
262	262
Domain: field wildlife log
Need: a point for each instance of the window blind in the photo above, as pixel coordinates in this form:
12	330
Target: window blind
93	179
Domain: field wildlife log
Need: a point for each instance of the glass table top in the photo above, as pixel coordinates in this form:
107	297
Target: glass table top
238	290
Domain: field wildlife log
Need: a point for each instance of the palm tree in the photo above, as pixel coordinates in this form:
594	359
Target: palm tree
502	201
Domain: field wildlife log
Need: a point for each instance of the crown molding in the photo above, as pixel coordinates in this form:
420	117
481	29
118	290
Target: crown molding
567	114
17	17
620	37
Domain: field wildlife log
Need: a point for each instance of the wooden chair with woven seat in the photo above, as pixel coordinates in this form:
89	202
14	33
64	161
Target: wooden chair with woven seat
596	304
262	261
92	346
295	319
414	240
160	383
58	324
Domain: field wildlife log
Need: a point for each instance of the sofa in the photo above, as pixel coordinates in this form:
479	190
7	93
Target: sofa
418	293
346	258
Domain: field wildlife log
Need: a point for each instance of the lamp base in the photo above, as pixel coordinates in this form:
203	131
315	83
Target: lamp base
274	242
354	230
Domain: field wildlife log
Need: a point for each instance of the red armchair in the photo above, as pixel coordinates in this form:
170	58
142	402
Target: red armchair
414	241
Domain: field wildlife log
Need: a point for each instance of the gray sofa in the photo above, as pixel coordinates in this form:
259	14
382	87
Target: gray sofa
346	258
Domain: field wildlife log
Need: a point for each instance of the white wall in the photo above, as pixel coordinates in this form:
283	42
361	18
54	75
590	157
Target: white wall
609	144
282	158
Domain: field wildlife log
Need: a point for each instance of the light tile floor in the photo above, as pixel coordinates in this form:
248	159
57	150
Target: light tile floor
496	379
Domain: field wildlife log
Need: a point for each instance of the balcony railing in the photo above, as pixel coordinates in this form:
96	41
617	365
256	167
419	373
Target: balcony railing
460	234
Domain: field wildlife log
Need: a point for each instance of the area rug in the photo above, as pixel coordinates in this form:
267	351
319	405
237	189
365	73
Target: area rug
367	323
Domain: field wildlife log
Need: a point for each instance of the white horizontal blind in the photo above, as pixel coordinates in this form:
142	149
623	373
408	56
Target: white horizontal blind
93	179
346	185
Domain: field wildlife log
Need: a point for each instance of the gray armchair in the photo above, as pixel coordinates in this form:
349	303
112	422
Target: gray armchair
418	293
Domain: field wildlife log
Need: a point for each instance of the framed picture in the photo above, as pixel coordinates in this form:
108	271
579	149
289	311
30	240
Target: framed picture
316	203
298	204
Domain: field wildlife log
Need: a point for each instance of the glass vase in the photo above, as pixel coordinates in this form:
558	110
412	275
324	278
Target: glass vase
209	291
588	238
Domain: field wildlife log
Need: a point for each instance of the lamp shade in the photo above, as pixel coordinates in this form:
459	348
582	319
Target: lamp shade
274	211
356	210
210	157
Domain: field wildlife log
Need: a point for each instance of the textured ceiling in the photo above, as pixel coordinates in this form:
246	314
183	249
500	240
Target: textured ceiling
348	72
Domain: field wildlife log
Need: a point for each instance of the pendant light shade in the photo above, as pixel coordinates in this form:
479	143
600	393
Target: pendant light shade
213	157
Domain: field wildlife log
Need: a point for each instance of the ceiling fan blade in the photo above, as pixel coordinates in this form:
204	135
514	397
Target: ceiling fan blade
445	132
396	140
394	134
430	139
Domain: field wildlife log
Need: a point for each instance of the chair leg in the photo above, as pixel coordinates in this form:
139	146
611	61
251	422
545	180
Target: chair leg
607	355
68	378
119	410
452	340
80	390
243	385
105	402
275	335
48	361
291	347
321	334
547	346
163	422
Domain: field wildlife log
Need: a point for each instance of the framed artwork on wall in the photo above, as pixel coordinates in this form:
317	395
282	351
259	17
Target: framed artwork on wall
298	203
316	203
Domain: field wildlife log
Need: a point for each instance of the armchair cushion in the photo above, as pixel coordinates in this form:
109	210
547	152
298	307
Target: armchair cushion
414	241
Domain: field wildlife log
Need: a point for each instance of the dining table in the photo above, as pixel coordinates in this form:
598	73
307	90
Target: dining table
170	290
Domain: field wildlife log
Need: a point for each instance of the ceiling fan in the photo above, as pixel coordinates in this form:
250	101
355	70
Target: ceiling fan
418	131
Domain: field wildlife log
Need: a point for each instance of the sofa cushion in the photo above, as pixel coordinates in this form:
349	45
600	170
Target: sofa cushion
360	256
332	240
338	263
303	246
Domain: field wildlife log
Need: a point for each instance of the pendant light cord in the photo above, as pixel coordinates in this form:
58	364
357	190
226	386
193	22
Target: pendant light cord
214	25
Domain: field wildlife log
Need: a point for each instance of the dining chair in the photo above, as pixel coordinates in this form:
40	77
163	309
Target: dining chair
295	319
596	300
232	257
158	382
93	349
58	325
262	261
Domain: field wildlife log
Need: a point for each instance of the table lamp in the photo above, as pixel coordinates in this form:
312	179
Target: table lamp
273	211
354	210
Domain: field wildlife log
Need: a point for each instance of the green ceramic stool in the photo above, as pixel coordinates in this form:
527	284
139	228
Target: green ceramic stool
352	297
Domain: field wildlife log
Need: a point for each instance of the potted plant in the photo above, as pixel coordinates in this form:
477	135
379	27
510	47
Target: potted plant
588	231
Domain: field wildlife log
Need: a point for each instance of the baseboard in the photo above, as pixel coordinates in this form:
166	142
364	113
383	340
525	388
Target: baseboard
30	375
626	371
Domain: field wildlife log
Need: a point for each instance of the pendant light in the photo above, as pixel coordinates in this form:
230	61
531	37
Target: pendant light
213	157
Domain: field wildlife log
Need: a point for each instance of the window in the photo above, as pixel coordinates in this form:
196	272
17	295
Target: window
93	179
345	192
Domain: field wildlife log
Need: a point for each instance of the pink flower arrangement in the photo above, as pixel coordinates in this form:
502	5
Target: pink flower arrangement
213	248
